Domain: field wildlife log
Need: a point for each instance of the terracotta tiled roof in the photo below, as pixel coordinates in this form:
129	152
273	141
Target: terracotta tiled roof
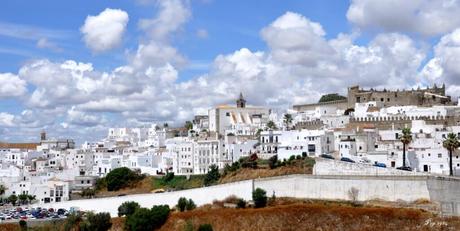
30	146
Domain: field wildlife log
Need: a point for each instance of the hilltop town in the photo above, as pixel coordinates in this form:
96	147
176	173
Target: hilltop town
365	127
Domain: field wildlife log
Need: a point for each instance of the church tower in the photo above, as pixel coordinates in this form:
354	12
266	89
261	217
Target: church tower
241	102
42	135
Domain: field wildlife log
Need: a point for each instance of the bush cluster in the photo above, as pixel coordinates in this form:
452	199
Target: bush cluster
121	177
212	176
144	219
184	204
259	196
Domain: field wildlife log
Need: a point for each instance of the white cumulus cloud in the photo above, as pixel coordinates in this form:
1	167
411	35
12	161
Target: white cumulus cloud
11	85
427	17
105	31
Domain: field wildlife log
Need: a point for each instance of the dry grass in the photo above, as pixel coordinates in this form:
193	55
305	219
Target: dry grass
297	167
293	214
311	216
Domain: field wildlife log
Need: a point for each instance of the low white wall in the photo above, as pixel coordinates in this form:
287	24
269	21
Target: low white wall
200	196
338	187
336	167
297	186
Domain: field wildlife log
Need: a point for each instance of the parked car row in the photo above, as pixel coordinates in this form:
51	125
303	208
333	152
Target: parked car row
32	213
376	164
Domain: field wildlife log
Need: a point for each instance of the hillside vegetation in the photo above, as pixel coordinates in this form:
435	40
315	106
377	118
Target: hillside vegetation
310	216
244	169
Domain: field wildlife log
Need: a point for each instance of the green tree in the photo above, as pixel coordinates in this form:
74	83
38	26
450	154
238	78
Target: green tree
168	177
271	125
96	222
190	205
331	97
205	227
241	204
212	176
147	219
127	208
31	198
23	198
120	178
88	192
287	120
72	221
23	225
272	161
13	198
2	190
451	143
406	138
259	196
188	125
182	204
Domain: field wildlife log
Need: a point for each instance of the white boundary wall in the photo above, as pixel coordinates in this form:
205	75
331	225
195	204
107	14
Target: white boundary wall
299	186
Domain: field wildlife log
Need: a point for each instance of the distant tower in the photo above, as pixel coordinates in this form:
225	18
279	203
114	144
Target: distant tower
42	136
241	102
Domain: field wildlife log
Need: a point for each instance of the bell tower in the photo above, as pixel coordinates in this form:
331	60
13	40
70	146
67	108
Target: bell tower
42	135
241	102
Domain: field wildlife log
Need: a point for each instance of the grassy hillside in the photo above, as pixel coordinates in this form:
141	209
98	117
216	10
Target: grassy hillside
311	216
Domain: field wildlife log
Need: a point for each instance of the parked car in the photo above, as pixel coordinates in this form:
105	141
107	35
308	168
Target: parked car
346	159
327	156
406	168
380	165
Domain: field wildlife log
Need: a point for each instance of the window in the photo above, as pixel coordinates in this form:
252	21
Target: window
439	155
441	166
227	114
311	148
376	146
381	99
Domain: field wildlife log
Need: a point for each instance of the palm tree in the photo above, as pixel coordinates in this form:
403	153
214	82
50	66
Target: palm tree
451	143
271	125
406	139
31	198
23	198
287	120
2	191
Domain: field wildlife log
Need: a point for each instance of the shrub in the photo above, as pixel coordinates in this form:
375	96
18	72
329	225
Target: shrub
71	221
147	219
259	196
168	177
212	176
291	158
23	225
304	154
190	205
12	199
101	183
241	204
182	204
205	227
273	162
121	177
96	222
299	157
160	214
127	208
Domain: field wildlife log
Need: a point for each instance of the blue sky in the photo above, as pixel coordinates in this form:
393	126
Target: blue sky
230	26
75	68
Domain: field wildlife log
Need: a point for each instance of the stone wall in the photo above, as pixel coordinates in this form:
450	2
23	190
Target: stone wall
390	188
